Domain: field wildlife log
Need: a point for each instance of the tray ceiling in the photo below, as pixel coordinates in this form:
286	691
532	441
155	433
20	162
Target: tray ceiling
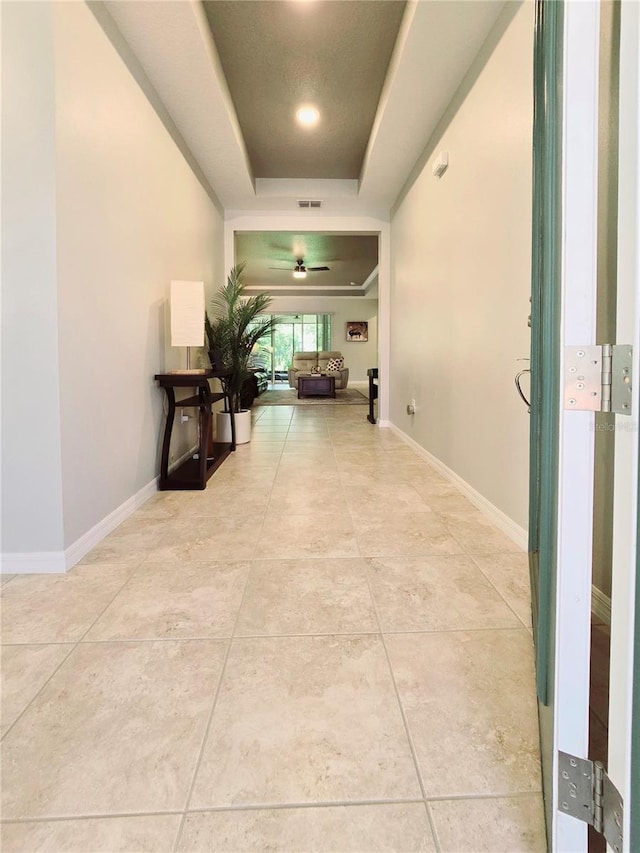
226	76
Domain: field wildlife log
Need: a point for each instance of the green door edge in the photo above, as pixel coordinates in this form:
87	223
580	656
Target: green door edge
545	364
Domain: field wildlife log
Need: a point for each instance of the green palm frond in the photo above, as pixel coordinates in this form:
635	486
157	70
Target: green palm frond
236	328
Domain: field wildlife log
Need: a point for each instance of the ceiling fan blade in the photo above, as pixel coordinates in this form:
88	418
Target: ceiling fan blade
317	269
283	269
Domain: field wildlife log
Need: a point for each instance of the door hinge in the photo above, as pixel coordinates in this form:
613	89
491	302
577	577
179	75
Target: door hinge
598	378
586	793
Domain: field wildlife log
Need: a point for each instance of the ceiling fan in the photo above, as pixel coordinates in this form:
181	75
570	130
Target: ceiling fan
300	270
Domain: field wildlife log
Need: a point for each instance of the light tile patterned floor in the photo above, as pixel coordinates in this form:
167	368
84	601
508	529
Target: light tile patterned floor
326	650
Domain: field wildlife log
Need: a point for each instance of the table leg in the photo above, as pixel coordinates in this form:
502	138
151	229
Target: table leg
166	443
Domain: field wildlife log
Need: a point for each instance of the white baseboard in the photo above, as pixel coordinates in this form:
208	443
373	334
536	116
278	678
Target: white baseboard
74	553
62	561
502	521
601	605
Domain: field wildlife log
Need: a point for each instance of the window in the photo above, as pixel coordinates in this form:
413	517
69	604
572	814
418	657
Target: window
295	333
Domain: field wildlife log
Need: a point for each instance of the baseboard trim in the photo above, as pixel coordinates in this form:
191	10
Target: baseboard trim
600	605
50	562
62	561
500	519
74	553
33	563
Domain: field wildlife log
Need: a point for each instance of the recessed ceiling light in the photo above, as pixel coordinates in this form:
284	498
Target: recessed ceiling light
353	283
307	116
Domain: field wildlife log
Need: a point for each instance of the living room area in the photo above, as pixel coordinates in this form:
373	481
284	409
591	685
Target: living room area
307	345
323	288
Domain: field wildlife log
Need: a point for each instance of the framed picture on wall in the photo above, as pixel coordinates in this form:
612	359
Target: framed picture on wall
358	330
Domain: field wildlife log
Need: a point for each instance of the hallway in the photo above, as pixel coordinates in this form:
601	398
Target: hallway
327	650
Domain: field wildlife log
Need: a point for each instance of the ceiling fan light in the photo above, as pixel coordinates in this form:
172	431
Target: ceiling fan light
299	273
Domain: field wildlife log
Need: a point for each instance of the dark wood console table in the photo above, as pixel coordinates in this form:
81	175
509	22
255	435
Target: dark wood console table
372	373
193	473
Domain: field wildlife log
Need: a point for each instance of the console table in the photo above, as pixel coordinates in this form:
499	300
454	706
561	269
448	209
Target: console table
194	472
372	373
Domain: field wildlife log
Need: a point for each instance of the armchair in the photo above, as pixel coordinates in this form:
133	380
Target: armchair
303	362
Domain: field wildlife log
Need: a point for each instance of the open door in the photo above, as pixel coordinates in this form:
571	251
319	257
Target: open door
570	381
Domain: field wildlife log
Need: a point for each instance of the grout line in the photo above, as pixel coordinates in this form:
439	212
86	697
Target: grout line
240	807
502	596
210	719
93	816
74	645
319	804
412	748
43	685
477	630
362	632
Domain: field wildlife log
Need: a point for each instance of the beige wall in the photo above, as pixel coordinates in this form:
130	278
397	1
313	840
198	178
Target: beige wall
359	357
129	215
461	256
31	461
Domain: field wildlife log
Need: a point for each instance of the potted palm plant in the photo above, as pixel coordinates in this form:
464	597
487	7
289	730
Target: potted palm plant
236	326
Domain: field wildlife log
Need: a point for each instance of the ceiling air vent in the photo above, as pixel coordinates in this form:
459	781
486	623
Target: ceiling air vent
306	203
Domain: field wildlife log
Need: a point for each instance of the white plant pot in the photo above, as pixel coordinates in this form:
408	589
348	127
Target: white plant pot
243	427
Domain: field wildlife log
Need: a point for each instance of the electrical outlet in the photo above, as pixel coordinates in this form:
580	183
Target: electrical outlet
411	407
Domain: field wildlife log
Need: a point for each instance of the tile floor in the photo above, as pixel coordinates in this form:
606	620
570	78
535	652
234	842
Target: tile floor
326	650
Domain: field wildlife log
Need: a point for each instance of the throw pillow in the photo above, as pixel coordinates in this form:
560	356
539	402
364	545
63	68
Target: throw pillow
335	364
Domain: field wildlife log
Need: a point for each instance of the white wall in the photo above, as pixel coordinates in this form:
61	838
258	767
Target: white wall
31	461
130	216
360	356
461	254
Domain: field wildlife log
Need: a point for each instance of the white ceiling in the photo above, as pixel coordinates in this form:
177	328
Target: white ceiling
436	43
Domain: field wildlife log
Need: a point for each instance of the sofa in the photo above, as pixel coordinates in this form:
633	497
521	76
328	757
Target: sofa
307	362
256	382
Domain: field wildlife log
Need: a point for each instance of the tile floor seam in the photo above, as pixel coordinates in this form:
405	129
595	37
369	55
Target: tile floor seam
353	523
104	610
515	613
311	804
33	698
91	816
405	721
131	640
516	795
479	629
41	643
66	657
210	719
301	634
